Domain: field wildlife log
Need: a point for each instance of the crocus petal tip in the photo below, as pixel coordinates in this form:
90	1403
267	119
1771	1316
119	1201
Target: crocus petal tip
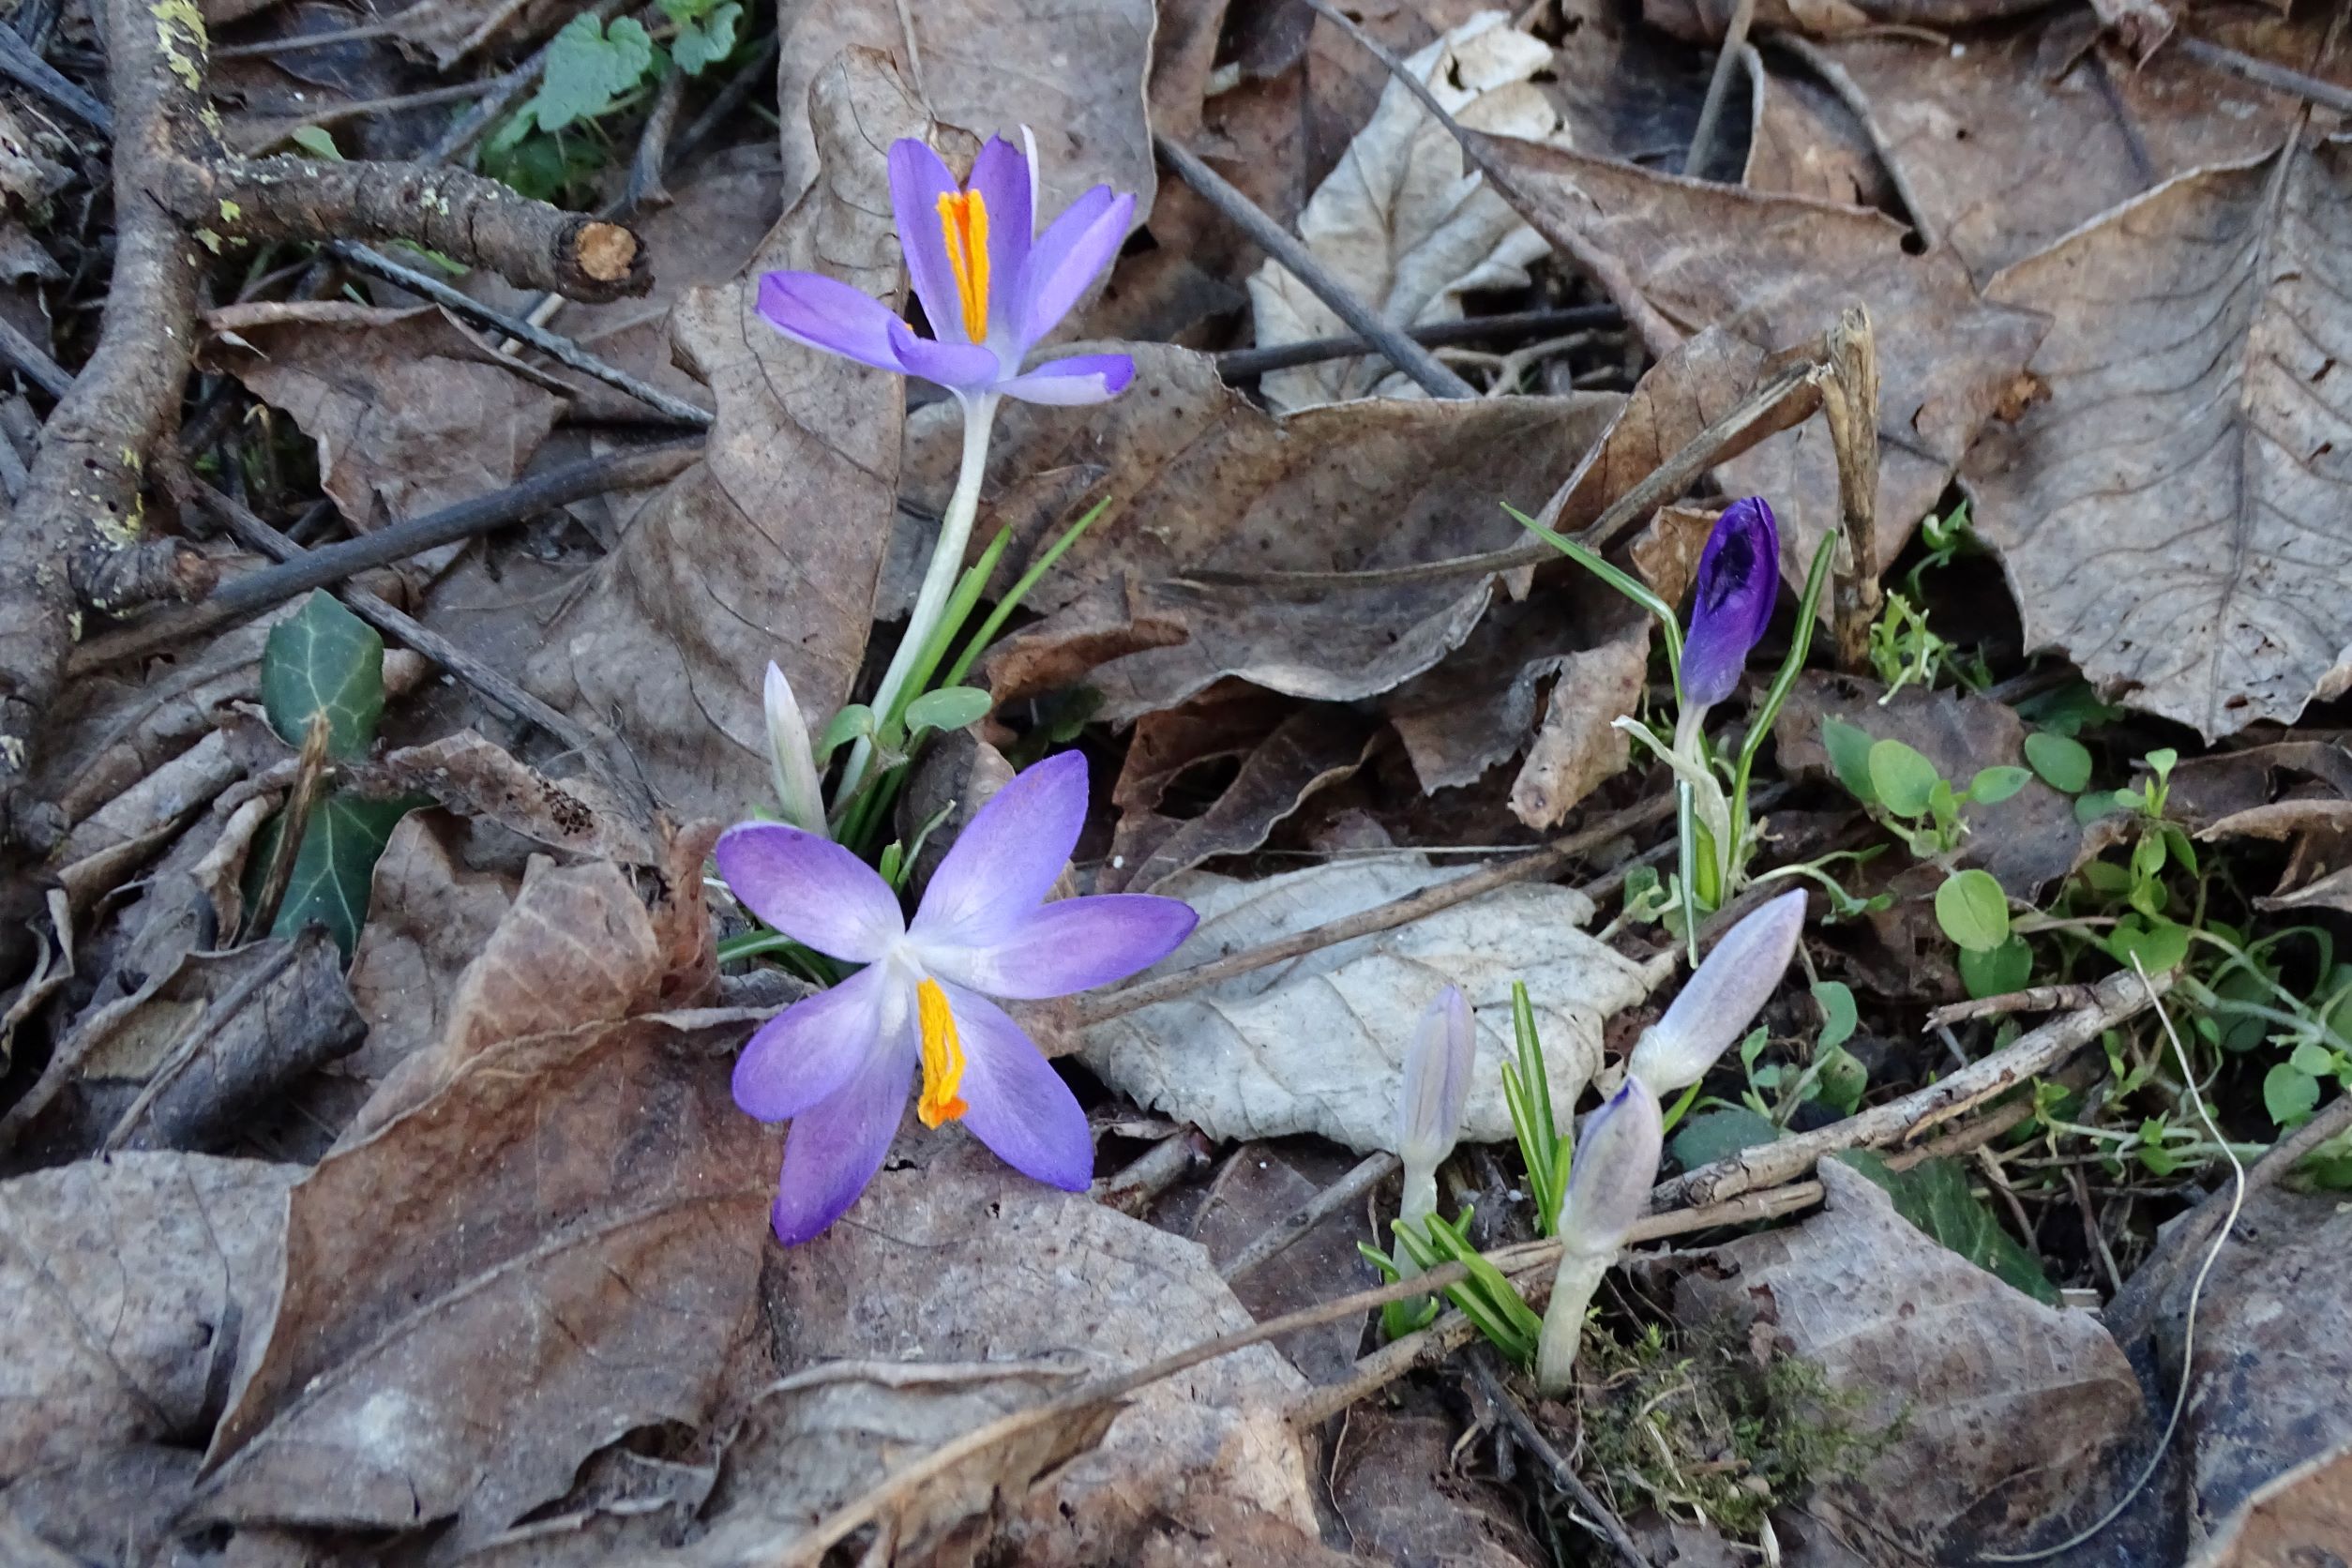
1722	997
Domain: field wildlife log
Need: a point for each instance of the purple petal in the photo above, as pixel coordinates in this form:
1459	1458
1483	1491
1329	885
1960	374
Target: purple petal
1001	176
1007	858
826	313
1072	945
960	367
1438	1064
805	1054
1739	582
1068	257
1015	1102
1609	1179
835	1148
812	889
1723	995
917	180
1084	377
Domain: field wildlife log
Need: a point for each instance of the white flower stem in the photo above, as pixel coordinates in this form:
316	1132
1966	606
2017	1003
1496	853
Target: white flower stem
1706	797
1573	1288
939	582
1420	1201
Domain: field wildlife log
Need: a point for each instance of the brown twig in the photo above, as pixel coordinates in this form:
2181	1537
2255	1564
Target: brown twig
1271	237
1849	401
22	64
1242	364
310	774
645	188
319	568
2309	88
33	361
1278	1238
1530	1436
1735	43
2034	999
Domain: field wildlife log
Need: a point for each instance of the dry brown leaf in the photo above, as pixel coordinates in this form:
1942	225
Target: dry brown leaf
560	1245
451	29
1311	749
2010	1408
1074	77
2172	513
1776	271
1578	745
114	1508
1475	710
477	777
428	916
1803	141
2303	1515
411	412
1401	1490
124	1285
769	548
1704	20
1200	480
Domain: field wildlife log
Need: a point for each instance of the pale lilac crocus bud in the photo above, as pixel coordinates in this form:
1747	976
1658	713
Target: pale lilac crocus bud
1722	998
1608	1186
792	761
1437	1084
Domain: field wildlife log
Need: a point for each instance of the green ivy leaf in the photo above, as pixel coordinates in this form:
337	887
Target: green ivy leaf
1997	971
1712	1134
948	708
2289	1093
2063	762
1973	910
588	69
702	44
1839	1016
1904	780
1934	1195
1990	786
333	869
1848	746
324	659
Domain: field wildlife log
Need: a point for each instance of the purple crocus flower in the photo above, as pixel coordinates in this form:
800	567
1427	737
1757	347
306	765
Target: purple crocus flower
1739	582
991	286
1722	997
838	1065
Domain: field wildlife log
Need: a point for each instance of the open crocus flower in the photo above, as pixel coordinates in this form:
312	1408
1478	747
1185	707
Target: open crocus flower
1739	582
991	286
838	1065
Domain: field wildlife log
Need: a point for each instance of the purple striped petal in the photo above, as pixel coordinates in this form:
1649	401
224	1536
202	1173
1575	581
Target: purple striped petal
812	889
958	367
1015	1102
804	1055
1001	176
1072	945
1438	1066
1007	858
1083	378
835	1148
917	180
1739	582
826	313
1722	997
1068	257
1609	1179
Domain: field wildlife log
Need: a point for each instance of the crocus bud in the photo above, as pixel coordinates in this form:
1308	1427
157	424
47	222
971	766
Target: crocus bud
1608	1186
1436	1082
1722	998
790	757
1739	582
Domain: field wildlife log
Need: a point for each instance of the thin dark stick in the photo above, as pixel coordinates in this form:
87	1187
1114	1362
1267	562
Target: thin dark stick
1530	1436
1277	1239
304	43
1735	42
249	596
1271	237
364	108
652	144
1841	82
555	347
254	533
231	1003
2309	88
21	62
1241	363
33	360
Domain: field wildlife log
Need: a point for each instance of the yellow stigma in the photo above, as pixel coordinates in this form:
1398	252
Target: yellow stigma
942	1056
963	218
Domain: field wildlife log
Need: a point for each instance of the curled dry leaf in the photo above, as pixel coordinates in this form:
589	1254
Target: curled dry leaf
428	915
1320	1046
1578	745
477	777
1397	1485
1401	223
2009	1410
769	547
909	1324
125	1285
2171	512
409	411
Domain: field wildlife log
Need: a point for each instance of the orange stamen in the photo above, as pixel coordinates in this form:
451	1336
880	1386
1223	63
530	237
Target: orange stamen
943	1057
963	218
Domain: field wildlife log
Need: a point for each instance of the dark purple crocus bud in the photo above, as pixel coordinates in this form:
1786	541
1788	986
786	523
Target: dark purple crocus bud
1739	582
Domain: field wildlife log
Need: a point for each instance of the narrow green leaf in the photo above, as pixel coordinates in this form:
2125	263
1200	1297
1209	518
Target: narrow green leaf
2063	762
324	659
1973	910
849	724
316	140
1903	781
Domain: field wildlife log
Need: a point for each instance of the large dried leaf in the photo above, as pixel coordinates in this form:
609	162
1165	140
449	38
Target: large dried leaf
770	545
1402	224
1199	480
1318	1045
974	1320
1075	77
122	1286
1777	271
428	915
1310	749
2008	1408
561	1244
2176	514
